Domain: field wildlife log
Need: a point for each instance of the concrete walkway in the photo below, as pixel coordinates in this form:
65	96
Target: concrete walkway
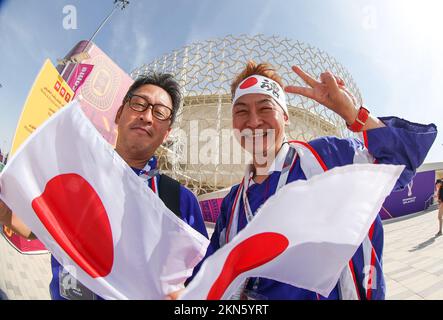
413	259
413	264
23	276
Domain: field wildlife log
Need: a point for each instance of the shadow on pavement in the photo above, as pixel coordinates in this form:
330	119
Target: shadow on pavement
424	244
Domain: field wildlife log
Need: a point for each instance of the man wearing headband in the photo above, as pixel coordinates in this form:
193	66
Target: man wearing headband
259	115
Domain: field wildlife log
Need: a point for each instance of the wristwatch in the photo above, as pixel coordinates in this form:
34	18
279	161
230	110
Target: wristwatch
360	121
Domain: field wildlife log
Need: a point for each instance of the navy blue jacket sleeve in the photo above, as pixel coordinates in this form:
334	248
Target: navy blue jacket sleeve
401	142
191	212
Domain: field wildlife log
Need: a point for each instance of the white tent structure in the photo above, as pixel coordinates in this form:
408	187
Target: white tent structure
202	152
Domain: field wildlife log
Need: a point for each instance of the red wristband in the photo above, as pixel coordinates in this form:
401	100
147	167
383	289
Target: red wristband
360	121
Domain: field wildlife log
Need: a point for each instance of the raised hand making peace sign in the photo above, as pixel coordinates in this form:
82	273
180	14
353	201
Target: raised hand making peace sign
331	92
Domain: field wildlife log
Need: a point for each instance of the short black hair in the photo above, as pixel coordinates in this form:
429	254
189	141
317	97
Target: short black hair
166	81
438	181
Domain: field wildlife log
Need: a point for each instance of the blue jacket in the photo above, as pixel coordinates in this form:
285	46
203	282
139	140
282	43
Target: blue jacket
400	142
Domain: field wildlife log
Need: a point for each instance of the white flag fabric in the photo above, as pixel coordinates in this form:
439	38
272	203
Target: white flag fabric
95	215
304	235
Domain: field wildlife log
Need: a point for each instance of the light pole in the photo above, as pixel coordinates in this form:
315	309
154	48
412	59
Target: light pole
122	4
118	4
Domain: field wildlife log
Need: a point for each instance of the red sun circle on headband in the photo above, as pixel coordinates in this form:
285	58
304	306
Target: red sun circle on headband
248	83
74	215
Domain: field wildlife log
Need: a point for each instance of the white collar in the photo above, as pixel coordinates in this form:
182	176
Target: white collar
277	164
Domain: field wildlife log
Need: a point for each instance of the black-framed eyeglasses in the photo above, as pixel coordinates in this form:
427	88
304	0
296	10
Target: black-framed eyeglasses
140	104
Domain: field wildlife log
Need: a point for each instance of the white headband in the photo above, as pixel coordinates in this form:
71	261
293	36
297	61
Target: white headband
263	85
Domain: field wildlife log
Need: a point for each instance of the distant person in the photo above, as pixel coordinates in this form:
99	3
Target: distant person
439	198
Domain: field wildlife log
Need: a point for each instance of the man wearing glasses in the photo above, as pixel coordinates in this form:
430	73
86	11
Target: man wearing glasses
144	122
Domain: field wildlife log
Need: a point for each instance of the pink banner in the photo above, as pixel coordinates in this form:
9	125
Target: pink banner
100	86
79	76
102	92
23	245
211	209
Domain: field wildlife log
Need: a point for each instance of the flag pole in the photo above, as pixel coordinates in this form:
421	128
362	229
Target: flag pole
122	4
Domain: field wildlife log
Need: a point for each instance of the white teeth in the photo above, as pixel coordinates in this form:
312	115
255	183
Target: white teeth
257	135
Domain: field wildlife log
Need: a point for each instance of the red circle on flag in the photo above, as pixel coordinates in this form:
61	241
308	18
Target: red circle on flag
248	83
247	255
76	218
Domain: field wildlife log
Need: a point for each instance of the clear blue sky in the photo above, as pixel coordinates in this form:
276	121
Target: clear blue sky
392	48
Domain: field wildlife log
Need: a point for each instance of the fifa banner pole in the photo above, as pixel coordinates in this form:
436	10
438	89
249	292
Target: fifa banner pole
70	62
97	81
51	91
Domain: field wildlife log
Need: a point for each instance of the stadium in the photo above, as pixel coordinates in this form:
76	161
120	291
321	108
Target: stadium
205	71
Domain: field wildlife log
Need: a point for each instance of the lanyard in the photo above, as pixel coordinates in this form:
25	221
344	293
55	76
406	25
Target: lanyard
244	186
288	164
150	176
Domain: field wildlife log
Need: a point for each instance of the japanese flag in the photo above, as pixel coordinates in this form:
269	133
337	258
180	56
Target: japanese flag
95	215
304	235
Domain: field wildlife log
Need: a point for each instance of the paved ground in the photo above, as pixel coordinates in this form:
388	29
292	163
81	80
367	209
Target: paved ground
413	264
413	259
23	276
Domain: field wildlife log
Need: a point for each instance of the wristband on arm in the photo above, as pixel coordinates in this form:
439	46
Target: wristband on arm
360	121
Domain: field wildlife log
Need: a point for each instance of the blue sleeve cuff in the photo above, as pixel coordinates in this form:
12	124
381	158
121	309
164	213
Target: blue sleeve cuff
401	142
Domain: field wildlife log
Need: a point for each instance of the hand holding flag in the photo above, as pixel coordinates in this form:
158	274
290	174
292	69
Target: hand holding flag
298	237
98	219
